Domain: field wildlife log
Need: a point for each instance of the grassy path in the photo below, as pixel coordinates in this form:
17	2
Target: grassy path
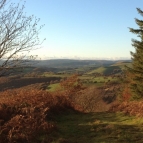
98	128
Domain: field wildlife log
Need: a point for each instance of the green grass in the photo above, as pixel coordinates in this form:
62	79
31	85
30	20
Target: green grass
98	81
55	75
109	69
104	70
97	70
102	79
53	87
122	64
98	128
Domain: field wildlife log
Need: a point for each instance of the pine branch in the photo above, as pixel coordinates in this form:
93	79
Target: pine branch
140	11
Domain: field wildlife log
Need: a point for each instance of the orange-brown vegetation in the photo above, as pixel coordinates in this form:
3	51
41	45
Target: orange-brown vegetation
89	99
130	108
4	80
126	105
25	114
96	99
126	93
72	86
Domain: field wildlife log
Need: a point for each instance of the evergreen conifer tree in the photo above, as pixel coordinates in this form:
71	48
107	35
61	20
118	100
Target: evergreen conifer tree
137	60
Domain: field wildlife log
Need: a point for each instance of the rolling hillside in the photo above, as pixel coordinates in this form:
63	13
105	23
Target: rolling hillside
114	68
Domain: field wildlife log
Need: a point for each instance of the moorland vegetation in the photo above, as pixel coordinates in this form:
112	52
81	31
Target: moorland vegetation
70	103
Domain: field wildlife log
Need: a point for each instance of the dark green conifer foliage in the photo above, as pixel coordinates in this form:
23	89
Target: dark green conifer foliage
137	60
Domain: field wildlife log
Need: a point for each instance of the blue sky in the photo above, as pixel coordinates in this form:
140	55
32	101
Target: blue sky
93	29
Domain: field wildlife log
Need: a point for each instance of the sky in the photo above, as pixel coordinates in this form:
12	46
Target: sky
85	29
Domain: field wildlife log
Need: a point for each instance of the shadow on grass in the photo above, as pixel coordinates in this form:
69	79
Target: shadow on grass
18	83
109	99
102	127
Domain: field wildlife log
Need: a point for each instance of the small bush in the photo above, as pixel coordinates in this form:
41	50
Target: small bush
130	108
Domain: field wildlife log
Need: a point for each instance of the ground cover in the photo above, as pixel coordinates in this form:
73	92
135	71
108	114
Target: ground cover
102	127
53	87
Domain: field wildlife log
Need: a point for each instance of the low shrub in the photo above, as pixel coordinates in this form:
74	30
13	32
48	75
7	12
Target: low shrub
130	108
26	115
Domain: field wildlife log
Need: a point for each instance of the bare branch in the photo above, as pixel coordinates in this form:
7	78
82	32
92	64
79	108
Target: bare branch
2	2
18	33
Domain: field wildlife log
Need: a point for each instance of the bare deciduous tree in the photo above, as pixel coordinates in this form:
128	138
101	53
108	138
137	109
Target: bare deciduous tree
2	2
18	36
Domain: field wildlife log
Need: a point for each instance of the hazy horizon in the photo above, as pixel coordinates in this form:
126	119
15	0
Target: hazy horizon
79	58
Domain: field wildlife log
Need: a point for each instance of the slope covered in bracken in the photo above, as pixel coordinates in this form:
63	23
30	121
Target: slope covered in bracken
26	115
133	108
71	113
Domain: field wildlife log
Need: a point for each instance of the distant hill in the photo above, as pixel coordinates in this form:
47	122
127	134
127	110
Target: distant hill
117	67
122	64
105	67
67	63
71	63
